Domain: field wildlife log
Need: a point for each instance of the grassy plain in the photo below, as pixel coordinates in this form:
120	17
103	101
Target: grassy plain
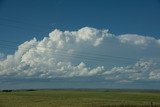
79	98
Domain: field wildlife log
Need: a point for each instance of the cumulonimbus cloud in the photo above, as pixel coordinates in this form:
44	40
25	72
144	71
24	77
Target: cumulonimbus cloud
53	56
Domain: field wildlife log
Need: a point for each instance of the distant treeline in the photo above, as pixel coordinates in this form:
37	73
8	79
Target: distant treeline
86	89
6	90
18	90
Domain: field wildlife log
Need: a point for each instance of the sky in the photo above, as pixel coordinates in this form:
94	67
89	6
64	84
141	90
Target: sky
80	44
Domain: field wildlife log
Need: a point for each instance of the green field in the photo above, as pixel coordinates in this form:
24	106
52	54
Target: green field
79	98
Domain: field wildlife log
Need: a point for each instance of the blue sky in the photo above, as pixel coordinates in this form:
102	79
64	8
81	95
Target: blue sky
124	16
98	55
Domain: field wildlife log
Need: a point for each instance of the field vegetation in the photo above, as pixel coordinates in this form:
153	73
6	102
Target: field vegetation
79	98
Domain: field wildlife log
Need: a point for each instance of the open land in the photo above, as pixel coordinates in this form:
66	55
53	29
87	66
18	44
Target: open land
80	98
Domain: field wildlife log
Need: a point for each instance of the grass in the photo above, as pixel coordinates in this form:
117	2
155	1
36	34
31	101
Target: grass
79	98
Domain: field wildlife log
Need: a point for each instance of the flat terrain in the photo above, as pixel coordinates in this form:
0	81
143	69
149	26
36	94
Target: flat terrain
79	98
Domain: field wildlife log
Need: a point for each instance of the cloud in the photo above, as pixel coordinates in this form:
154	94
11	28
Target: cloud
141	70
2	56
56	56
49	58
137	39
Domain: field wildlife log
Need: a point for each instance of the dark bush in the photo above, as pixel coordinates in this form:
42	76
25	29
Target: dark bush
7	90
31	90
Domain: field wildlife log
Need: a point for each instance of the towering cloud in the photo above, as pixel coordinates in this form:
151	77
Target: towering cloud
56	56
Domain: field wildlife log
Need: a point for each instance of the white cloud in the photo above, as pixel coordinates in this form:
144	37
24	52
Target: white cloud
155	74
2	56
141	70
158	42
136	39
54	56
45	58
91	34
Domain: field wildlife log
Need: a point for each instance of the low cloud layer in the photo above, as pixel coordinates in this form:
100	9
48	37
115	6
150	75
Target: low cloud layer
141	70
67	54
